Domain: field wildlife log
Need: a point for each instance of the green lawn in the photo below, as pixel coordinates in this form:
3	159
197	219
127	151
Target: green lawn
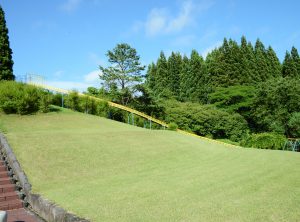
109	171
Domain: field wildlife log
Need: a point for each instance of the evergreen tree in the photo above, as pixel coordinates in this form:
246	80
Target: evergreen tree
185	79
6	62
162	77
198	81
289	67
248	65
296	59
273	62
124	72
174	69
151	76
261	61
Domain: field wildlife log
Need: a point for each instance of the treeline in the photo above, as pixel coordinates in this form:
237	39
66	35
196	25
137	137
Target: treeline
193	78
240	92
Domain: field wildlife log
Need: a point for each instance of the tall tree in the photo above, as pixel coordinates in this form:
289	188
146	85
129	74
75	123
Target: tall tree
261	61
198	81
289	66
174	69
162	77
185	79
124	72
6	62
273	62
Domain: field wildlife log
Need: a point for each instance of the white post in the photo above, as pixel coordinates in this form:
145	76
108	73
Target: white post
3	216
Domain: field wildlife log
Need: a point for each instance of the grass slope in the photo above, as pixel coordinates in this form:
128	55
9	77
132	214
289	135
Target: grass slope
109	171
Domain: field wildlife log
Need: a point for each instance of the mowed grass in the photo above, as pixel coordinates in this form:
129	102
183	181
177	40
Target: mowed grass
108	171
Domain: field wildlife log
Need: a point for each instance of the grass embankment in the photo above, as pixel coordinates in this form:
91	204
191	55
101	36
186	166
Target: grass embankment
109	171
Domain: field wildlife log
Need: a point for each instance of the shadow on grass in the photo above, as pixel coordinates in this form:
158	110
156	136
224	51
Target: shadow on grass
56	109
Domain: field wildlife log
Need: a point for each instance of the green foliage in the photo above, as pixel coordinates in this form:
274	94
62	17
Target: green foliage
271	141
173	126
206	120
72	101
22	99
6	62
274	103
124	72
294	125
291	64
234	98
45	102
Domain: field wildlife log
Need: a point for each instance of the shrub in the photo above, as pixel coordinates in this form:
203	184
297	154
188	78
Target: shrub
20	98
265	141
173	126
294	125
206	120
72	101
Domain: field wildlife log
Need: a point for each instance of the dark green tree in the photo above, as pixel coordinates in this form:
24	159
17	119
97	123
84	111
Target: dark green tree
185	79
273	62
174	69
162	78
198	81
261	61
124	72
6	62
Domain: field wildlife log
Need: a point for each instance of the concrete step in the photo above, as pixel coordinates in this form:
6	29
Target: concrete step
3	174
11	205
5	180
7	188
3	168
8	196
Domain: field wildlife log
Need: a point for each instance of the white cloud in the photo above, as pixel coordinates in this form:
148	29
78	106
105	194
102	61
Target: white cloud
161	20
70	5
156	22
211	48
184	18
93	77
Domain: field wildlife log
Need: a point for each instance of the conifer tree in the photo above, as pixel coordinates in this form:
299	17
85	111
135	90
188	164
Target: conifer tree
261	61
185	76
198	81
6	62
174	69
289	67
162	74
273	62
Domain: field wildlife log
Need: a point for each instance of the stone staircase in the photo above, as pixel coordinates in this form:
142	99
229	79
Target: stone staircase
11	197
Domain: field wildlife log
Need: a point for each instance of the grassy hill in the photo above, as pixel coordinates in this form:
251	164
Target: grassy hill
110	171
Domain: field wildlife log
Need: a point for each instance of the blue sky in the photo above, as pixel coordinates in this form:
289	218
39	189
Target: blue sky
66	40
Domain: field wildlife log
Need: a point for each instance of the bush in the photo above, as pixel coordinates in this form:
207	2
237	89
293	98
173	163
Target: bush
22	99
265	141
72	101
206	120
294	125
173	126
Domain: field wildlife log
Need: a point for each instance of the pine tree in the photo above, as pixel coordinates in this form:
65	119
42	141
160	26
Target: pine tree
162	74
174	69
296	59
6	62
151	76
289	66
261	61
198	81
273	62
185	76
